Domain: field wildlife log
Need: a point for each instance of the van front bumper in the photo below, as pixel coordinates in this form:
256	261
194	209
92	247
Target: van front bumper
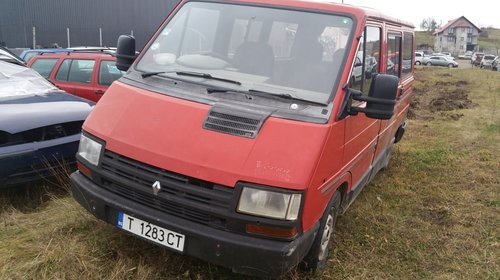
242	253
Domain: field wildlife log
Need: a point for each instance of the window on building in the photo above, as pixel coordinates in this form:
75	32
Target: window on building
366	63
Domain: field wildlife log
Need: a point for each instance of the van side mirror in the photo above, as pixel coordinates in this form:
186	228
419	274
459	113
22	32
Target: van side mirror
381	98
125	52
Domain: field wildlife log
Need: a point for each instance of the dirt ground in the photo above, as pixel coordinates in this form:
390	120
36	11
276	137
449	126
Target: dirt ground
443	93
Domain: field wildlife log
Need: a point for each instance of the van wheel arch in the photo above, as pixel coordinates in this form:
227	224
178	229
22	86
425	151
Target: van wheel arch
317	257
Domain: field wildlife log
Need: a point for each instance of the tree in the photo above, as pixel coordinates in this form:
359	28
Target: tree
429	24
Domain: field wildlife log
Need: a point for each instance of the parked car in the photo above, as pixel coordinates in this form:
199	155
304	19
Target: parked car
467	55
214	147
440	60
495	65
8	56
92	48
40	125
26	55
419	56
449	55
87	74
487	60
474	58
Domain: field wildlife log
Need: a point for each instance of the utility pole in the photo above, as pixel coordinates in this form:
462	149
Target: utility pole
67	35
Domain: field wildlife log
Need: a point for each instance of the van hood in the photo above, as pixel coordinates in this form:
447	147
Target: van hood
168	133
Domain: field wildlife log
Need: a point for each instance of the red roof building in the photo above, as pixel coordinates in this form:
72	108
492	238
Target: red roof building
457	36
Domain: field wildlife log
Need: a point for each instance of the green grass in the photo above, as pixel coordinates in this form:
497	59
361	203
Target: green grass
424	37
433	213
492	42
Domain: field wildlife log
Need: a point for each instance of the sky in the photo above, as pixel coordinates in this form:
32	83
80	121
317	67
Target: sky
482	13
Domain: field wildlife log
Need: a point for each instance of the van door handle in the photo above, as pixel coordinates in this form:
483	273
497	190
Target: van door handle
99	91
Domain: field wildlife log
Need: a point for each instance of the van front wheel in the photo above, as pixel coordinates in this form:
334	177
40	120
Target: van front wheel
318	254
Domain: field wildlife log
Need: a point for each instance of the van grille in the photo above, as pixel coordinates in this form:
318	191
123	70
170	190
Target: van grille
189	198
243	124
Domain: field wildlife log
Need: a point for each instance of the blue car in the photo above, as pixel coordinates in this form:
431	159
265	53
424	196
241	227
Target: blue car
26	55
40	125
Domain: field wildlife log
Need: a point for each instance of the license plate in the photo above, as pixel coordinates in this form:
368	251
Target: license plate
151	232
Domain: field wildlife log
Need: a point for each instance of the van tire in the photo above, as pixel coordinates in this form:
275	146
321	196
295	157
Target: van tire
317	256
417	63
428	64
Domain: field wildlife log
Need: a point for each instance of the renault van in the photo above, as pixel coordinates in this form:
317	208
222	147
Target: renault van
238	136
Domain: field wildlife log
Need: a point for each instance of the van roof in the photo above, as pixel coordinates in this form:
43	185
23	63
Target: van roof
365	12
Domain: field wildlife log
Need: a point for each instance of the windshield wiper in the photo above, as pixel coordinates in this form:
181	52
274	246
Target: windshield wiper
149	74
206	76
265	94
191	74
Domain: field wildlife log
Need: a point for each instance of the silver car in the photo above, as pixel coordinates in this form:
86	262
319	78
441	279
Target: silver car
487	60
439	60
495	65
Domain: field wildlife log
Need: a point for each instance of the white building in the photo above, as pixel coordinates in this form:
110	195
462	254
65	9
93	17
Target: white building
457	36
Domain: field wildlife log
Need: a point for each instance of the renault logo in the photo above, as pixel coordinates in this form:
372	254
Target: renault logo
156	187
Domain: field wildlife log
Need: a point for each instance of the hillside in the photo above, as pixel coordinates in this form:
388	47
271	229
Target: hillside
493	40
424	37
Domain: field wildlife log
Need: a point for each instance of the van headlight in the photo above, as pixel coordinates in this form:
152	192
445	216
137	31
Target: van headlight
89	149
271	204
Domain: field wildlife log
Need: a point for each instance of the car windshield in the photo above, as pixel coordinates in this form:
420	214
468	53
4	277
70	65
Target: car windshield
489	57
16	80
273	50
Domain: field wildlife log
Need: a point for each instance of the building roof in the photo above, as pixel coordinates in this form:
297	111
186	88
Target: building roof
451	22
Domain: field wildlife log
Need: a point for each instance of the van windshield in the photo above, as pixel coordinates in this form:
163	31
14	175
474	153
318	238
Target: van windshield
266	49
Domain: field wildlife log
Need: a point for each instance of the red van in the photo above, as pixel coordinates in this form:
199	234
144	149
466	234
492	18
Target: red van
86	74
237	136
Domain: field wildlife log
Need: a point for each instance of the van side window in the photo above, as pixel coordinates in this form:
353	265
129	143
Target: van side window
407	54
282	37
393	54
244	30
367	59
200	33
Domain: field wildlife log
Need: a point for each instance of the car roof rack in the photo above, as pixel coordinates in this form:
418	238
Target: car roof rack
109	51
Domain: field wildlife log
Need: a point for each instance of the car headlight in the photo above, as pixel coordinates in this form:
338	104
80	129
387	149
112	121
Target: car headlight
269	204
89	149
